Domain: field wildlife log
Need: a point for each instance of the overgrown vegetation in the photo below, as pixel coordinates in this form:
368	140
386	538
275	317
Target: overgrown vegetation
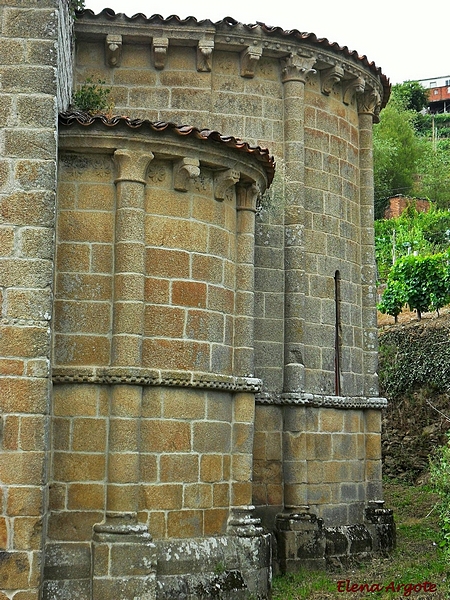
414	370
422	282
416	356
413	260
413	231
93	98
416	560
440	477
75	5
411	149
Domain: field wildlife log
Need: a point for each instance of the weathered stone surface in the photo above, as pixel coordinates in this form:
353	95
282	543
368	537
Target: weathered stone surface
155	301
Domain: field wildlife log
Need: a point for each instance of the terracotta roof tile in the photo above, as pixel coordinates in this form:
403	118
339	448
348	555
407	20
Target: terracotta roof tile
261	154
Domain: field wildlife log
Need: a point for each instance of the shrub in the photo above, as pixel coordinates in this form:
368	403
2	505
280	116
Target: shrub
420	281
92	98
440	478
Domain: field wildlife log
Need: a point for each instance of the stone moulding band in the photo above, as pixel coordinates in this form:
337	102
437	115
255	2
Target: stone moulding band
317	400
154	377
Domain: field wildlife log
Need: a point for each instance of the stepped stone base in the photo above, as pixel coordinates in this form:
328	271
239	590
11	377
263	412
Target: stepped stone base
303	541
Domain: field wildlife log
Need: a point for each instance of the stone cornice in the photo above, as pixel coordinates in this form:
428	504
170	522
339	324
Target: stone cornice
80	132
326	401
154	377
252	42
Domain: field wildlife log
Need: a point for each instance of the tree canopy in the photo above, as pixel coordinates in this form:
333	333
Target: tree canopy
411	149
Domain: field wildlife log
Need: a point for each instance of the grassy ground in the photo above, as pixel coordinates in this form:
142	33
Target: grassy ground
416	560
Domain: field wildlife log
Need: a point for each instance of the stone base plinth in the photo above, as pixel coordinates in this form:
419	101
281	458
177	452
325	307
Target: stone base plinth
227	567
303	541
124	563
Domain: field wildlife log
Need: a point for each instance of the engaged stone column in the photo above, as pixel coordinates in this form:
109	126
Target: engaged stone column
245	279
294	76
128	329
244	402
368	104
129	266
124	561
290	540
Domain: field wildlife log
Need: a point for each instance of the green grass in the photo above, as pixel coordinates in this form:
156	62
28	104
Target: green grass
416	559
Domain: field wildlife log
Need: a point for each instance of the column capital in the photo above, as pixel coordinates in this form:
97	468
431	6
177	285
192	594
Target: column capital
297	67
369	103
247	196
132	165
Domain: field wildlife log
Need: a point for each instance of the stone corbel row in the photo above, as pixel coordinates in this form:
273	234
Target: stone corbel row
368	99
188	169
296	67
159	47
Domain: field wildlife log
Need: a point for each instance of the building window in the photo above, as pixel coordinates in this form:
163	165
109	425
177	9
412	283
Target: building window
432	84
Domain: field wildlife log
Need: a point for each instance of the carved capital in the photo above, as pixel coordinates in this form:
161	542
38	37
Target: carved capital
113	50
354	86
247	196
204	55
132	165
159	48
249	60
369	103
223	182
330	77
297	67
183	171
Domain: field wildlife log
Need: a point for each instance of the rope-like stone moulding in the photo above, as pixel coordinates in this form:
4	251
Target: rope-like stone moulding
317	401
155	377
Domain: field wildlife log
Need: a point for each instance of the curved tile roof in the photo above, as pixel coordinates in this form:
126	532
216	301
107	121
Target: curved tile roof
324	43
261	154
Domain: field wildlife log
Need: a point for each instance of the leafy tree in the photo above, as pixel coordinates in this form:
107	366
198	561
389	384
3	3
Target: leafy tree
411	149
420	281
393	299
409	95
396	152
413	231
434	173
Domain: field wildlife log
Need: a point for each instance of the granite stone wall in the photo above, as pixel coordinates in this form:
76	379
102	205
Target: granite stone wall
209	330
28	149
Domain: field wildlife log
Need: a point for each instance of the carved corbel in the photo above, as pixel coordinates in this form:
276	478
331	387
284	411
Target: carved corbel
183	171
159	48
369	103
113	50
297	67
249	59
330	77
223	182
354	86
247	196
204	55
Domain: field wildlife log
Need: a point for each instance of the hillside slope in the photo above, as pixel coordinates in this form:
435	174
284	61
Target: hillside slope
414	374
